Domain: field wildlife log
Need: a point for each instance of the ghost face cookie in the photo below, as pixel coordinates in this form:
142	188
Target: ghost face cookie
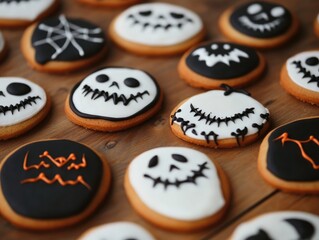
259	24
211	64
52	184
113	99
158	181
284	225
300	76
109	3
23	105
220	119
156	29
62	44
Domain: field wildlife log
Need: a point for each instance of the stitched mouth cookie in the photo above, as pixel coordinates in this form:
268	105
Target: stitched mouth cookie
52	184
300	76
288	156
113	99
157	29
23	105
259	24
284	225
158	181
109	3
211	64
220	119
19	13
62	44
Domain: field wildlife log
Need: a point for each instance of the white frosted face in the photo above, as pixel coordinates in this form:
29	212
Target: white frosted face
164	177
157	24
20	99
303	69
286	225
115	94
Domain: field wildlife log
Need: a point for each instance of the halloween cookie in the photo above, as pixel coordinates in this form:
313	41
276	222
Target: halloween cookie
113	99
109	3
157	29
117	231
211	64
316	26
52	184
19	13
23	105
259	24
3	47
300	76
62	44
288	156
220	118
284	225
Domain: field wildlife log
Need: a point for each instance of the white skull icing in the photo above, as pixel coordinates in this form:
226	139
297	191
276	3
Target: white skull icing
303	69
117	231
285	225
164	177
157	24
20	99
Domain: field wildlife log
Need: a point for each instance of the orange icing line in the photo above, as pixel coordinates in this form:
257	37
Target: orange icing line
36	166
77	166
59	161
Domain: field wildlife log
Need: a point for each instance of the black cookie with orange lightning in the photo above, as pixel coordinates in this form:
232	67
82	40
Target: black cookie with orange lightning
52	184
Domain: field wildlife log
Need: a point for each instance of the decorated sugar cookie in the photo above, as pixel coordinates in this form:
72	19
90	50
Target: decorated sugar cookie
157	29
113	98
300	76
220	118
109	3
52	184
158	181
316	25
211	64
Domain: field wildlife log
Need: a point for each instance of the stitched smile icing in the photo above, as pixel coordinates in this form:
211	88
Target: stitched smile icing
259	27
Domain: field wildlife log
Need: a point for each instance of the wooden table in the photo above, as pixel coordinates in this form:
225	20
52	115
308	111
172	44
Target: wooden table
251	195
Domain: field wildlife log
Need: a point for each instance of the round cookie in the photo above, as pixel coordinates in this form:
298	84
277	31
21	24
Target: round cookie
259	24
316	25
220	119
109	3
113	99
157	29
283	225
23	105
158	181
20	13
300	76
211	64
288	156
52	184
117	231
3	47
62	44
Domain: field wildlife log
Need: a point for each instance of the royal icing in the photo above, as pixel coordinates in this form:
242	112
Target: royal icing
20	100
114	94
164	177
157	24
285	225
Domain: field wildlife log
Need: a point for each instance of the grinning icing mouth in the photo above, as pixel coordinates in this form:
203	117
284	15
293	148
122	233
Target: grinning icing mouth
245	21
189	179
306	73
18	106
96	93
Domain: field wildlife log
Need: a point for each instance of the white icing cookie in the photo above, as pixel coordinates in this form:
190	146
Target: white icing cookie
117	231
157	24
285	225
20	99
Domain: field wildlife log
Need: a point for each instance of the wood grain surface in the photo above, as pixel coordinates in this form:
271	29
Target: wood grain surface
251	195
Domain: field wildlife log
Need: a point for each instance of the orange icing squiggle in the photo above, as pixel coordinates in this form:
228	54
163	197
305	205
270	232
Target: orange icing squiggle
77	166
36	166
59	161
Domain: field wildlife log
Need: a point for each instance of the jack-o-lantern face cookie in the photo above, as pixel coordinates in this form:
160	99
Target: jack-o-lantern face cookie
157	29
259	24
23	104
211	64
285	225
158	181
114	98
109	3
220	118
300	76
52	184
288	156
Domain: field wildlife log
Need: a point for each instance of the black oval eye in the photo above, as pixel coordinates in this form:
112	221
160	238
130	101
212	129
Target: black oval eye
153	162
145	13
18	89
312	61
131	82
176	15
102	78
179	158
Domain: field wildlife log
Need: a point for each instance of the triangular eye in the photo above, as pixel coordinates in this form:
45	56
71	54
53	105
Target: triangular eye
153	162
179	158
145	13
176	15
